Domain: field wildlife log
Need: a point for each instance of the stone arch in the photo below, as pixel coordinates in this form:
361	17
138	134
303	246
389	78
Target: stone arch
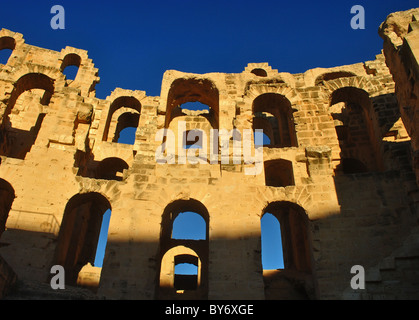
53	73
333	75
13	41
296	277
281	120
123	119
172	210
356	127
359	82
262	69
33	80
260	72
199	247
17	37
17	140
111	191
298	195
356	94
7	43
71	59
192	89
293	218
129	106
87	75
30	76
254	90
79	233
167	278
111	169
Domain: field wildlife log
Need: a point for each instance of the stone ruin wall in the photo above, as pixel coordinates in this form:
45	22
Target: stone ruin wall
339	175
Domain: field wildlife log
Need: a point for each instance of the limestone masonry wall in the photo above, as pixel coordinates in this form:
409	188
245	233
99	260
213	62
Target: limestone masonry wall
339	172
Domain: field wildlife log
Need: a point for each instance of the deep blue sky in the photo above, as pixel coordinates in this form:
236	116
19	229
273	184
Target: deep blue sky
134	42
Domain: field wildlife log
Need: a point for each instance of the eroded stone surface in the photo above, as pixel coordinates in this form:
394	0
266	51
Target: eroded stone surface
339	175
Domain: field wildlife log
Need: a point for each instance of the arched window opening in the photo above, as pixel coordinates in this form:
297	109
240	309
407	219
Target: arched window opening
272	252
193	97
184	245
189	225
111	169
259	72
70	66
187	214
124	112
350	108
294	234
182	275
185	273
272	113
7	195
126	128
192	104
279	173
79	233
286	254
7	45
31	93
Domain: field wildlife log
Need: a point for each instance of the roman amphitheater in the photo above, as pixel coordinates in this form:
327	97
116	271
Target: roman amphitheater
340	173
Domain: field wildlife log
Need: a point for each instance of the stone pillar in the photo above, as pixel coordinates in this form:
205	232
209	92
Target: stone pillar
400	32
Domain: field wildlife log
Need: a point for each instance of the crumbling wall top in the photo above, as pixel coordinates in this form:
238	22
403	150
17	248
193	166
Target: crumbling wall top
396	26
